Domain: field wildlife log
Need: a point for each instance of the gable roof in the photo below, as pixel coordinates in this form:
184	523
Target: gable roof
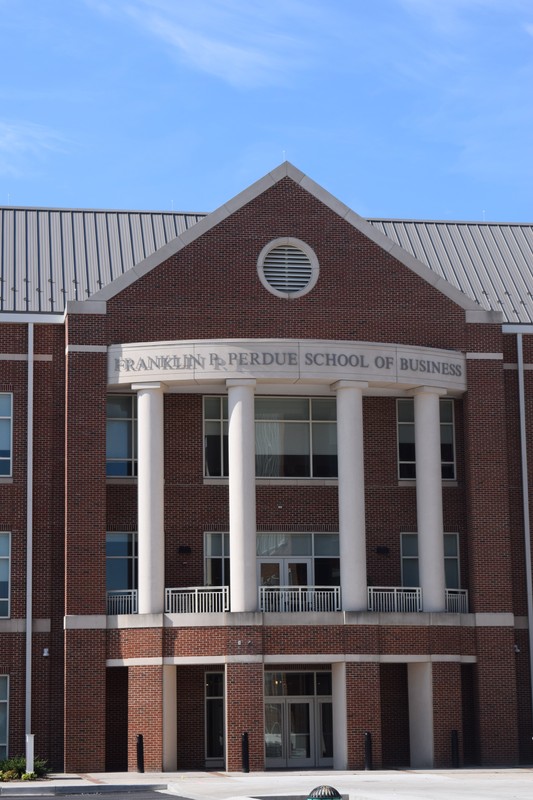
51	256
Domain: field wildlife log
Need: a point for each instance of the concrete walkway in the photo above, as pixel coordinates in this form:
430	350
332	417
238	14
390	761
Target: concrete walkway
479	784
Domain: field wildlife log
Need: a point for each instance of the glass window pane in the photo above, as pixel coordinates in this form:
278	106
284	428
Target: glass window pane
4	544
214	684
451	573
300	544
410	572
212	407
327	572
409	544
326	544
282	408
406	411
324	409
5	438
408	471
3	687
119	544
273	684
446	410
450	544
119	406
325	438
5	405
323	683
119	439
299	683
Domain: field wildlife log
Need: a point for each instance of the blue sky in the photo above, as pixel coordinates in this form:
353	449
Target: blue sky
401	108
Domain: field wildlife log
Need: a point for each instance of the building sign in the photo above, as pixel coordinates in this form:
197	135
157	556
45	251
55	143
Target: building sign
285	360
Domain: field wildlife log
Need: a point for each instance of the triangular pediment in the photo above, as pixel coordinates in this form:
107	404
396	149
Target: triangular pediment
284	171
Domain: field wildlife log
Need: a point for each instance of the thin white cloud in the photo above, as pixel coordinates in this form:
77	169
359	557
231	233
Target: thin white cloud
242	43
24	143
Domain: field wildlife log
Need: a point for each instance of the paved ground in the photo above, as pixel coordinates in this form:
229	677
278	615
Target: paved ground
496	784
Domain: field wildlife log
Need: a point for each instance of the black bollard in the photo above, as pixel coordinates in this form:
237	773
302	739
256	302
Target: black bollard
368	750
245	753
140	753
455	749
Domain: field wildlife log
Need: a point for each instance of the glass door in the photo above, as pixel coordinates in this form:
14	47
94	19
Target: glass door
300	726
289	740
280	580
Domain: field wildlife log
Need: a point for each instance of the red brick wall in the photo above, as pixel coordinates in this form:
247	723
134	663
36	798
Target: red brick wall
363	713
447	712
244	714
145	715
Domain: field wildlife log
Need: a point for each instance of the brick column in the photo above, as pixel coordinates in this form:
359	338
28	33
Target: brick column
447	712
245	714
145	715
363	699
496	697
85	700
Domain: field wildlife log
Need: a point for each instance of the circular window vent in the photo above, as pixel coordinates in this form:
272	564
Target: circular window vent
288	268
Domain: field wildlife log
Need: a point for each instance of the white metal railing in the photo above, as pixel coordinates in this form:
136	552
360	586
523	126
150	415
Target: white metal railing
197	600
299	598
122	602
394	598
457	601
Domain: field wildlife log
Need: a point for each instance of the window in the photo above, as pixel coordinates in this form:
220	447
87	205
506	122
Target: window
121	561
409	548
406	439
295	437
5	544
217	559
4	709
121	436
6	434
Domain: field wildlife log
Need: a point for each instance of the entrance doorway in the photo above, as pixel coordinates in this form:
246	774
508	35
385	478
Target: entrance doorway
298	728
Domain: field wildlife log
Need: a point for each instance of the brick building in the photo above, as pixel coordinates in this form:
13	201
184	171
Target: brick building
264	471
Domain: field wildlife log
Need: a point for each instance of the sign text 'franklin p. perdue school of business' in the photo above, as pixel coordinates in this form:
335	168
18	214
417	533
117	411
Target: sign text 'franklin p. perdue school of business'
291	361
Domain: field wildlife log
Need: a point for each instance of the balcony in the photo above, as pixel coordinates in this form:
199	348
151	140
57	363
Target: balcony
394	598
297	599
197	600
457	601
404	599
122	602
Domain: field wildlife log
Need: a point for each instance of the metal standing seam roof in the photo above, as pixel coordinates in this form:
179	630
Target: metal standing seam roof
49	256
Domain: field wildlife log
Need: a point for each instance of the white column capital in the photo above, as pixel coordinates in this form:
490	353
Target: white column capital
349	385
426	390
240	382
138	387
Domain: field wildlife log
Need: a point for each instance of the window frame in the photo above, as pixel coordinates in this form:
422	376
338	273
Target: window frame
4	746
132	437
448	401
9	417
309	424
7	558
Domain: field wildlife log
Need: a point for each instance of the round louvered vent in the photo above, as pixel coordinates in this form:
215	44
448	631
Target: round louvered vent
288	268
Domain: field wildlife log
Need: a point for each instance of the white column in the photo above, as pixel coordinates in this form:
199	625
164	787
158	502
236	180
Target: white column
150	466
352	540
420	688
429	498
170	719
242	524
339	704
